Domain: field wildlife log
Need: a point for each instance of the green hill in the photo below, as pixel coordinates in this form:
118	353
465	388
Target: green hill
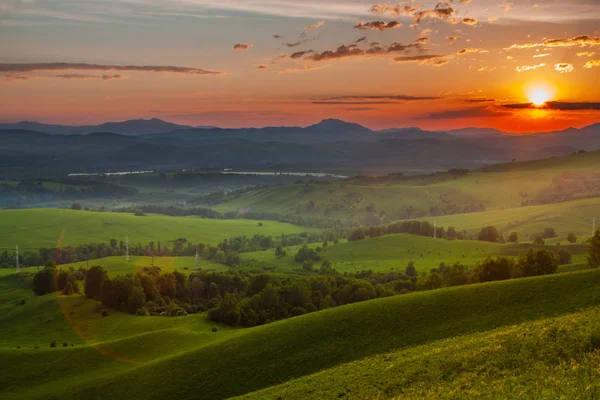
397	197
180	358
36	228
550	358
393	252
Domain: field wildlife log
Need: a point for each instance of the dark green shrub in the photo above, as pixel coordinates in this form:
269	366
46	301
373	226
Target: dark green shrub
53	344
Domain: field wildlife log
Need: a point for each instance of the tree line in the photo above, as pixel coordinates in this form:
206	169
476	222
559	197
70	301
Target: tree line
256	295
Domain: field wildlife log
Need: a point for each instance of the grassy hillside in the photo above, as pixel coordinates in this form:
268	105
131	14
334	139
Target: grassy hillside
494	188
550	358
393	252
119	266
180	358
35	228
573	216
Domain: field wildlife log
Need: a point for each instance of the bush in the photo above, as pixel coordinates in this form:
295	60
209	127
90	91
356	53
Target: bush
142	312
214	329
571	238
53	344
538	239
104	313
68	290
489	234
513	238
564	257
65	344
549	233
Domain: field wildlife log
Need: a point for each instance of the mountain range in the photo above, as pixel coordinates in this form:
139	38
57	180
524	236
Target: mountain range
31	149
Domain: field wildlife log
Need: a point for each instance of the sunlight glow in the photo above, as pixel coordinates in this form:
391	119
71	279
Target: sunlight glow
539	95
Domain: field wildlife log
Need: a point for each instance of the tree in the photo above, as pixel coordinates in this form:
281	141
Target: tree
538	239
43	282
93	282
75	206
537	262
107	294
494	270
411	270
571	238
513	238
489	234
564	257
593	259
549	233
280	252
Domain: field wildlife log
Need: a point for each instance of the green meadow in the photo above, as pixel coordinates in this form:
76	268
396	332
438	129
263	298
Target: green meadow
394	252
36	228
497	187
401	346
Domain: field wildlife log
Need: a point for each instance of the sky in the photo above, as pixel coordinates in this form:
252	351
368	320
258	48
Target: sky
243	63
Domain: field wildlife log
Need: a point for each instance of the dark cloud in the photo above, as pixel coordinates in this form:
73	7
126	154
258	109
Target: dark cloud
361	108
354	51
443	11
469	21
294	44
558	105
276	36
480	112
341	52
350	102
85	77
479	100
262	67
435	60
378	25
362	39
400	97
32	67
242	46
300	54
452	38
399	9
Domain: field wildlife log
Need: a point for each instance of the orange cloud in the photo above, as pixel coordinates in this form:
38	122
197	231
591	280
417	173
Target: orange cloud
378	25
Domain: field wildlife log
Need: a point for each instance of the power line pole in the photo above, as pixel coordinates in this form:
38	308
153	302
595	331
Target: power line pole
17	259
435	228
593	226
126	247
197	260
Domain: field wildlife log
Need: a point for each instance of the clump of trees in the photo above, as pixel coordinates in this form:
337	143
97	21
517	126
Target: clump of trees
593	259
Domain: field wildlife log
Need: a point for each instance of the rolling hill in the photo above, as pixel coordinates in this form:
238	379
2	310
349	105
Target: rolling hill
37	228
180	357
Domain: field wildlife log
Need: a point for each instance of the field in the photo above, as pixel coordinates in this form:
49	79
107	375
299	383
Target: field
180	357
36	228
573	216
118	266
493	188
393	252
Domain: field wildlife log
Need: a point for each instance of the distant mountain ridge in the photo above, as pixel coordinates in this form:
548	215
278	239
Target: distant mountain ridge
327	130
134	127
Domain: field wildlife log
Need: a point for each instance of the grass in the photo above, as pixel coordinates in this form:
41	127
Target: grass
119	266
393	252
498	187
181	358
550	358
35	228
573	216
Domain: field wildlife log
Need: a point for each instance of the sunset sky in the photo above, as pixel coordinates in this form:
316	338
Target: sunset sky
235	63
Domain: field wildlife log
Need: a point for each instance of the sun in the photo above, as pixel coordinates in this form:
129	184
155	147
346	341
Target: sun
539	96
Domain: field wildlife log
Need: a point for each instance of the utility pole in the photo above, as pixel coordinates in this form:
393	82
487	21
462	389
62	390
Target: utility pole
197	260
593	226
435	228
126	247
17	259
